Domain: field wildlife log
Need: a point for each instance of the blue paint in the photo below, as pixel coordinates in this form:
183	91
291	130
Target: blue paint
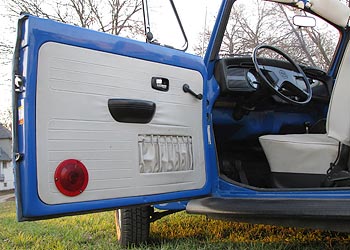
344	39
226	4
39	31
213	92
258	123
226	189
179	205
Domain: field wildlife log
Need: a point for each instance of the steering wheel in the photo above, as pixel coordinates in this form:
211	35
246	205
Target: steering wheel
284	83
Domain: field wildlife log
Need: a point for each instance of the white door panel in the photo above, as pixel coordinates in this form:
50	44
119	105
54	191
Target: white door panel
73	121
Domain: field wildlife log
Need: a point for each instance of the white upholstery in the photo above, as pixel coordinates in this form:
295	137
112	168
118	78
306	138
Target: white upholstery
332	10
312	153
338	120
299	153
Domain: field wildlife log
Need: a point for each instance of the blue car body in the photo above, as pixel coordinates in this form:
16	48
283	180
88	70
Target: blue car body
34	33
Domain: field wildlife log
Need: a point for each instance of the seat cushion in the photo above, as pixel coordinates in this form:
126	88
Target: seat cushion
299	153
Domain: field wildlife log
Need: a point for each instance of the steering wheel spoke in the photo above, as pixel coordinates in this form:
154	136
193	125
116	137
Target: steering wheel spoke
295	90
277	88
279	85
298	75
284	84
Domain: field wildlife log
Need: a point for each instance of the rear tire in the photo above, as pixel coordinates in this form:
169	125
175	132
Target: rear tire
132	225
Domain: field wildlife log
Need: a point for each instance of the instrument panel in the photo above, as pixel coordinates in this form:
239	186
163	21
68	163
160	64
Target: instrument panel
237	75
241	79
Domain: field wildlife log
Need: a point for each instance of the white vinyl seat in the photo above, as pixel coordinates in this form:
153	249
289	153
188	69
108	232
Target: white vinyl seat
313	153
299	153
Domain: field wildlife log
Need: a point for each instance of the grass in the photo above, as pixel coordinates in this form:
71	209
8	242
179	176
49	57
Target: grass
178	231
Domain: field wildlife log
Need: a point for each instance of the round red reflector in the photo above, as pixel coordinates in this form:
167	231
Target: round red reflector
71	177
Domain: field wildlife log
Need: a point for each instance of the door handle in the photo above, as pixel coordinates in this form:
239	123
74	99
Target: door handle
131	110
186	88
160	83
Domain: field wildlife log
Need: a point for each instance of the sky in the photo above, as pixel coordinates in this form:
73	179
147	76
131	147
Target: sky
194	15
193	22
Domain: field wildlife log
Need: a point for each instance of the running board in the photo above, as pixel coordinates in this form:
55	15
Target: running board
330	214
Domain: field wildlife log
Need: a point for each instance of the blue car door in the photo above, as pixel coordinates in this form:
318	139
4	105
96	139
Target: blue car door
103	121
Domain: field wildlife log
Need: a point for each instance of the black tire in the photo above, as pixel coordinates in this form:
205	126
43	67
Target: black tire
132	225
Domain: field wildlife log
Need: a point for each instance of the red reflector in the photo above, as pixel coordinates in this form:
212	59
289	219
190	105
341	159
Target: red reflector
71	177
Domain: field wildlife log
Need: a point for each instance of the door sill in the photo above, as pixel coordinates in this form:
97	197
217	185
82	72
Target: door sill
331	214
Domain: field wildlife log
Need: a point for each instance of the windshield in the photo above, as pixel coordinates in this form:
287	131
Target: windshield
260	22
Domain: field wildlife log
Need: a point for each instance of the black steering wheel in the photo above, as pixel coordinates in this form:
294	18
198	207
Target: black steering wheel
291	85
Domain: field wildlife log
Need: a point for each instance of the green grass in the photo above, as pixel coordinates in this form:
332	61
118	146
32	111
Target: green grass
178	231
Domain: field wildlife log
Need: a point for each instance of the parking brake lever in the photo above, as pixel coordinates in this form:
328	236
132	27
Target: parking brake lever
186	88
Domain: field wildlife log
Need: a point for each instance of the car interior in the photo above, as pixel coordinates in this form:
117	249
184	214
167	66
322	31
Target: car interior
278	123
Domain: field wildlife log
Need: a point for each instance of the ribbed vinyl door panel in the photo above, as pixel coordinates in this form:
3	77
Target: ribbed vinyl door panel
123	159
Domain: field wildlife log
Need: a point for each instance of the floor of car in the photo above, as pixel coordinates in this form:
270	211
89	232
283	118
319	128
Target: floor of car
244	163
241	157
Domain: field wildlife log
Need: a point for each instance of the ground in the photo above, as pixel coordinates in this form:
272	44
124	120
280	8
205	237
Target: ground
6	195
177	231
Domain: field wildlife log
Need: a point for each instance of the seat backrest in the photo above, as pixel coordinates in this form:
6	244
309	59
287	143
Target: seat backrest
338	118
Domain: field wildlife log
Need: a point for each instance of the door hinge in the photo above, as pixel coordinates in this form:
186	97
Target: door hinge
19	87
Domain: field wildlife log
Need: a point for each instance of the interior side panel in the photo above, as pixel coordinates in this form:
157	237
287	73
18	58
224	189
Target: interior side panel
73	122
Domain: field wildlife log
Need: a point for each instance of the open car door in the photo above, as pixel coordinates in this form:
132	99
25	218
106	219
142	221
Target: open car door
103	121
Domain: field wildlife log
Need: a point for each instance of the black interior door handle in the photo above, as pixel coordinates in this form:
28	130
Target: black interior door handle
186	88
131	110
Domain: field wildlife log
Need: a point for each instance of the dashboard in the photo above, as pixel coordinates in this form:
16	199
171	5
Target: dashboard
237	76
244	95
241	79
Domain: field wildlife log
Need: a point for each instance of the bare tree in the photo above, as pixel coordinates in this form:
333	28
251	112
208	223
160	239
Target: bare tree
268	23
5	83
203	41
122	13
110	16
6	118
33	7
246	30
5	51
